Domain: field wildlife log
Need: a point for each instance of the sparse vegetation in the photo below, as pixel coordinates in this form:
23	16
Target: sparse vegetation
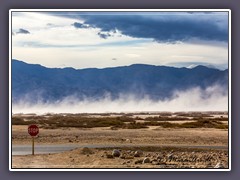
21	121
164	118
116	122
134	125
205	124
195	124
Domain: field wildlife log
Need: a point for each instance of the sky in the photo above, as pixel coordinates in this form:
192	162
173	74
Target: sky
109	39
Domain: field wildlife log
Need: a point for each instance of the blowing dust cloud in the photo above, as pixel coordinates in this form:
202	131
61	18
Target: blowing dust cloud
195	99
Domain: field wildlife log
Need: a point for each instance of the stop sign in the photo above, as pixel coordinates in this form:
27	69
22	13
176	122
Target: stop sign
33	130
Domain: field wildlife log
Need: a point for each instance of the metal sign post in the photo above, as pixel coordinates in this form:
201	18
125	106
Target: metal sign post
32	145
33	130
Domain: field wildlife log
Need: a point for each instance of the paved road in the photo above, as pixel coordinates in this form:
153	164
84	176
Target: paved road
46	149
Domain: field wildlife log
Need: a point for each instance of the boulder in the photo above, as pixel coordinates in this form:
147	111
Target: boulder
219	165
170	156
138	153
146	160
116	153
128	141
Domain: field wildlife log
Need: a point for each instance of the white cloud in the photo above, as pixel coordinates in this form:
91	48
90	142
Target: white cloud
53	41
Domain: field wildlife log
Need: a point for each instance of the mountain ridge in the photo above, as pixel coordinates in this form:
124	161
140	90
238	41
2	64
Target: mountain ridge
36	82
137	64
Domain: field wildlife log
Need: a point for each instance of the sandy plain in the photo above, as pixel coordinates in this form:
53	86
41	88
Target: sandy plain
149	147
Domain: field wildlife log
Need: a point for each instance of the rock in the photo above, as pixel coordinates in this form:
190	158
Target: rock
159	157
123	157
86	151
170	156
110	156
208	166
128	141
129	157
162	166
155	162
139	161
138	153
146	160
116	153
162	163
219	165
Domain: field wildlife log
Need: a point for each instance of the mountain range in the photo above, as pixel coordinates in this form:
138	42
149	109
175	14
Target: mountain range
35	82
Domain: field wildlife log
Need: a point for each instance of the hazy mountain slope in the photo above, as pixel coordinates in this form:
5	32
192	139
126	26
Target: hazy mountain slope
36	82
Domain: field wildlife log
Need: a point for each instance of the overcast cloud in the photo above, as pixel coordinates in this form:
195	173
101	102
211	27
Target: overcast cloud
165	28
93	39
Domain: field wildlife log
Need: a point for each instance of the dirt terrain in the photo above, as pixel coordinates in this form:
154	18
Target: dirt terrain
156	145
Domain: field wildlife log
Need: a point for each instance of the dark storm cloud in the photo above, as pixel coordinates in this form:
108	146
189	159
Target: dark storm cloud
104	35
101	34
159	26
80	25
23	31
162	28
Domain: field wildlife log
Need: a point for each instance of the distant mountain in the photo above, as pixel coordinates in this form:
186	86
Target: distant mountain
37	82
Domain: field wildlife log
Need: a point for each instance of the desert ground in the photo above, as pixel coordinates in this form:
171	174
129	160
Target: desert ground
126	140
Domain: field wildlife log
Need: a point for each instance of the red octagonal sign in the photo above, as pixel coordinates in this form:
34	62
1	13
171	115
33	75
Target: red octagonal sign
33	130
